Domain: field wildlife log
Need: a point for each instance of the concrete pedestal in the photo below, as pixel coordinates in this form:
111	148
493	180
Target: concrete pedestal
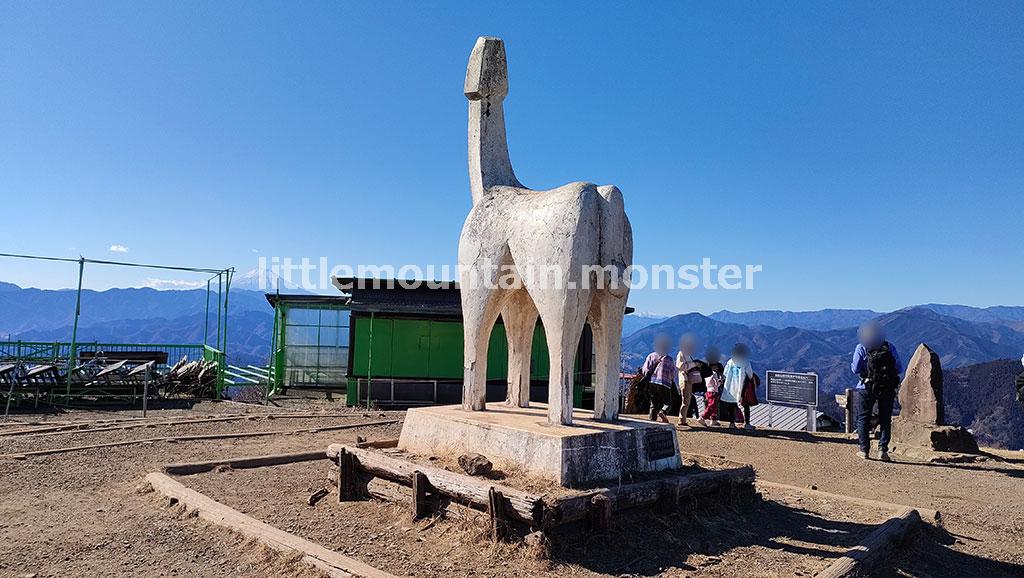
584	453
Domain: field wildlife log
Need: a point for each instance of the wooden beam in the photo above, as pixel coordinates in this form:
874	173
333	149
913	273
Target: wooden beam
347	482
23	455
185	469
380	444
575	508
420	507
107	425
388	491
496	510
317	496
88	427
342	491
533	510
335	564
864	558
519	505
848	409
599	518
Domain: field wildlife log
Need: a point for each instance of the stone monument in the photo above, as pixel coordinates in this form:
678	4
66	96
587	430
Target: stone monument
921	392
579	231
921	422
561	255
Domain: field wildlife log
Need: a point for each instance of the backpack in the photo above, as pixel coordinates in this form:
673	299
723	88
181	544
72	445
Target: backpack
637	391
716	382
880	375
749	396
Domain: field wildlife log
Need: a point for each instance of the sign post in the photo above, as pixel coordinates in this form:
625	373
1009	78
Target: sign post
792	388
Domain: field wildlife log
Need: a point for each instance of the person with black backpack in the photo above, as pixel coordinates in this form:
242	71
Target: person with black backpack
878	365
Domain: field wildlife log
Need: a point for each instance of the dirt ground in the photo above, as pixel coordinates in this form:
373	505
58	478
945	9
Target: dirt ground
82	514
982	505
79	514
721	539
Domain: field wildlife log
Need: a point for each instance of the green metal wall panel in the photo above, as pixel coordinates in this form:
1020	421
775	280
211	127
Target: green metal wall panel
410	351
497	354
446	348
433	349
540	363
381	333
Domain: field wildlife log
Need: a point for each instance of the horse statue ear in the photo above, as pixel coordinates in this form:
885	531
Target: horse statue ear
487	72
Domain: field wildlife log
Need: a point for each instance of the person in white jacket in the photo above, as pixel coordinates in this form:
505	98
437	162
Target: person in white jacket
737	371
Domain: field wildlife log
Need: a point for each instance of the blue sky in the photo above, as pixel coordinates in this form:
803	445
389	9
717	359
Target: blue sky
865	154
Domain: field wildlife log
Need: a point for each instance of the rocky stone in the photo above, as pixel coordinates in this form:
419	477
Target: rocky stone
921	392
921	421
475	464
942	438
537	545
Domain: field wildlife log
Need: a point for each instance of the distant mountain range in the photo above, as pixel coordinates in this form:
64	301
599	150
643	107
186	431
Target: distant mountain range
827	352
138	315
822	320
826	319
636	321
34	309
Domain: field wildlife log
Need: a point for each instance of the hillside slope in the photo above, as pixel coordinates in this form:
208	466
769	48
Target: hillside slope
982	398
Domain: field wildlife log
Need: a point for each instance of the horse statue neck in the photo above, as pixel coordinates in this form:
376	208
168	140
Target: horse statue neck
486	87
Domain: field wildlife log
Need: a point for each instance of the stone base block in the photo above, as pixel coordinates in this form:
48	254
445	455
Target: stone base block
942	438
579	455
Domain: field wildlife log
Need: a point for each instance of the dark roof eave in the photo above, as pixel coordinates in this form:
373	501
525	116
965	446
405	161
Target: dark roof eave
275	298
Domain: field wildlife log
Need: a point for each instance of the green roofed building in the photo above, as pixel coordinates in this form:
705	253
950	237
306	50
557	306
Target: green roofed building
397	344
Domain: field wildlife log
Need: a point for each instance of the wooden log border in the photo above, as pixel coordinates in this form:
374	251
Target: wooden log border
535	511
864	558
189	468
133	423
23	455
594	507
518	505
333	563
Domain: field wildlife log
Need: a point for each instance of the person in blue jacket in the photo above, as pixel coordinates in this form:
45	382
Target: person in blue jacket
879	367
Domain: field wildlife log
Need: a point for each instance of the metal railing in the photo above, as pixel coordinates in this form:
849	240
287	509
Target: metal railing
391	392
69	359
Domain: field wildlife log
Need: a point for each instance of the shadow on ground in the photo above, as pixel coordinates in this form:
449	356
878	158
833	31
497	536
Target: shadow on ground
931	555
792	436
645	543
1011	471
